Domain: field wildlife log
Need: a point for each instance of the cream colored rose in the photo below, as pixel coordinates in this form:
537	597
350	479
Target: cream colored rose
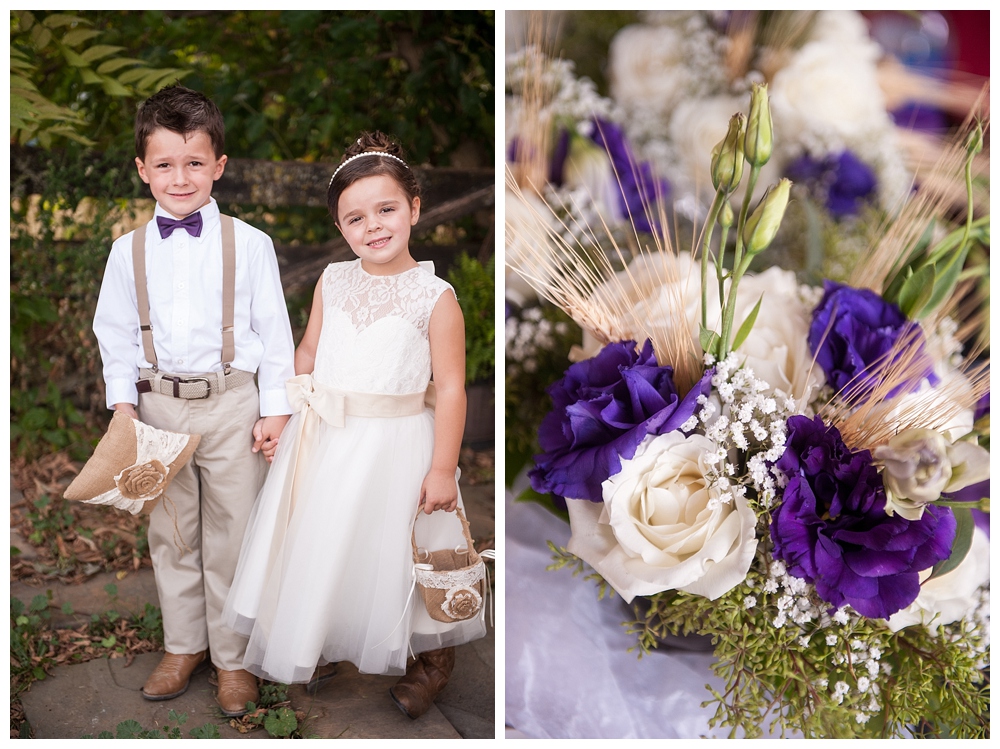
952	596
829	91
142	481
662	527
647	68
462	603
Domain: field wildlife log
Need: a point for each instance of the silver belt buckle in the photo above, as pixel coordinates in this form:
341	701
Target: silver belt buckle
178	381
208	388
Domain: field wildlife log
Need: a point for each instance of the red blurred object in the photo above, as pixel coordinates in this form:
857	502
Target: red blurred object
971	31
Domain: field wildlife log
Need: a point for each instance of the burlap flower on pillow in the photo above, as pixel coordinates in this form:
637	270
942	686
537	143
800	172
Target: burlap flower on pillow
132	465
142	481
462	603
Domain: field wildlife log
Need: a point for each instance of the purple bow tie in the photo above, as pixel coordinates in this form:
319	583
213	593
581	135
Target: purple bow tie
191	223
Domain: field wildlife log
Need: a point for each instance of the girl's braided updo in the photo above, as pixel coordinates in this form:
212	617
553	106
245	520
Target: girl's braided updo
359	168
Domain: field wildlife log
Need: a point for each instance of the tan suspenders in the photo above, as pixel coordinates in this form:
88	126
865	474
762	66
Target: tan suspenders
228	292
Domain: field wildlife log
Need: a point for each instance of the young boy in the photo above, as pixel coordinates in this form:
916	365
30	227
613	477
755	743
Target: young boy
183	328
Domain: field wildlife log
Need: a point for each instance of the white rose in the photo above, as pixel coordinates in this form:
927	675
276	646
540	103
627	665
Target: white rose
952	596
661	527
777	349
647	69
827	97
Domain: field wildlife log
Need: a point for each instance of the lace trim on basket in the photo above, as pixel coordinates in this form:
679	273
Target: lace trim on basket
447	579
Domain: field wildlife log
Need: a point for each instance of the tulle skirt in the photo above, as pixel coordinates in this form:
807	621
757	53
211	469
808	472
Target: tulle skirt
325	571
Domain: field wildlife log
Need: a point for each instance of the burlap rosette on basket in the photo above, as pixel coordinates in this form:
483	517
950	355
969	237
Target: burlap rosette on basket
132	466
452	582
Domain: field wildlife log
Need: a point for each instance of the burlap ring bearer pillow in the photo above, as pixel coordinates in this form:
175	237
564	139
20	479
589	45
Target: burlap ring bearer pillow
132	465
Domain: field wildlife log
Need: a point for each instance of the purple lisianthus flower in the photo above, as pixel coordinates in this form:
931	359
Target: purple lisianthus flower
602	409
557	162
842	181
853	331
640	190
832	530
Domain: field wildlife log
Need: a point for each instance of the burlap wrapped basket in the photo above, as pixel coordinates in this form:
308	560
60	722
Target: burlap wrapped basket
454	588
132	465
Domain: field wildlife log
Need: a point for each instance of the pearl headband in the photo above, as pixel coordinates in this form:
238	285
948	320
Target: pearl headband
360	155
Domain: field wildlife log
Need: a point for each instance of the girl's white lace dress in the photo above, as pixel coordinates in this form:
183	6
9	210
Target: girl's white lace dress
325	571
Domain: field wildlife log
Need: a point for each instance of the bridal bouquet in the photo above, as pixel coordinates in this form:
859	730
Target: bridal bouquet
800	473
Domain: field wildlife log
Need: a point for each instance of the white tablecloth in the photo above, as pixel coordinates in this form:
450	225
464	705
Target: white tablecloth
568	672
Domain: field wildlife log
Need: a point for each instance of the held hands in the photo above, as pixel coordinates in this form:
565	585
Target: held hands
127	408
439	491
265	434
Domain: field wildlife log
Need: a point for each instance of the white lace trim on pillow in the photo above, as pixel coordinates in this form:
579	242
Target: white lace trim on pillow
151	444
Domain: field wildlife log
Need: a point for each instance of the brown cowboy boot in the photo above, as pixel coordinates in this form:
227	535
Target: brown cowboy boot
423	681
235	690
173	674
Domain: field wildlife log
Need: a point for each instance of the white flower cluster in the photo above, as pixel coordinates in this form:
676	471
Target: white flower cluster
747	422
794	602
526	335
573	101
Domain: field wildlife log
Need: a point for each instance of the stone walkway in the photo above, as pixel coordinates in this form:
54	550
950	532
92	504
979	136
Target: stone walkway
91	697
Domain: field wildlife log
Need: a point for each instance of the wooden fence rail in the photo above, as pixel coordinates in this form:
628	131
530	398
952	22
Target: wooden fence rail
448	194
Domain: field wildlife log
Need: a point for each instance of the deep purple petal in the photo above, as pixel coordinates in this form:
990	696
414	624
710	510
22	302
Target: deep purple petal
831	527
602	410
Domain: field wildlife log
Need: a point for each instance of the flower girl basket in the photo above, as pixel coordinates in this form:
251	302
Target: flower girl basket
452	582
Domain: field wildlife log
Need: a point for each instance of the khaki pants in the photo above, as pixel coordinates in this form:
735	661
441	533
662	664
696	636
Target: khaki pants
210	499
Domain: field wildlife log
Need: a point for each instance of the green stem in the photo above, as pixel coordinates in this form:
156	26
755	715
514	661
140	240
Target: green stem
713	215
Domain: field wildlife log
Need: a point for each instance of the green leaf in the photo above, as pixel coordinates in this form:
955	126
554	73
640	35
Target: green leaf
965	525
57	20
113	87
111	589
128	729
40	36
74	37
99	51
747	325
916	291
25	18
947	271
109	642
709	340
207	731
90	77
110	66
545	500
281	722
73	58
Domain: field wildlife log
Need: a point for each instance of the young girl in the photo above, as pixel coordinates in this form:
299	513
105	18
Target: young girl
325	571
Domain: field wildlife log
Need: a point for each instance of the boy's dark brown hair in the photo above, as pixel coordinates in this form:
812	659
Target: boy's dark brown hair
376	142
182	111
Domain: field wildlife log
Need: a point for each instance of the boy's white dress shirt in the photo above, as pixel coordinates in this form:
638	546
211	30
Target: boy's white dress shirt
184	279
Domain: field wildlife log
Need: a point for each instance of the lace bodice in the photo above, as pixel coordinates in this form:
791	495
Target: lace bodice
374	337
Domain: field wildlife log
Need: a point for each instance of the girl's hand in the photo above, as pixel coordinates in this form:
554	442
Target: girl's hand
439	492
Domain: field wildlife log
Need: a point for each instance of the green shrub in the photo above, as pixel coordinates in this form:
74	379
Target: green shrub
474	287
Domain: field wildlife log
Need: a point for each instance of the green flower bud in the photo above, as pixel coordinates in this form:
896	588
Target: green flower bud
974	143
760	134
727	156
762	226
726	216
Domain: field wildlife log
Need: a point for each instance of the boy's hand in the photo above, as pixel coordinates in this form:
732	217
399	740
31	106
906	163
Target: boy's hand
439	491
127	408
265	434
